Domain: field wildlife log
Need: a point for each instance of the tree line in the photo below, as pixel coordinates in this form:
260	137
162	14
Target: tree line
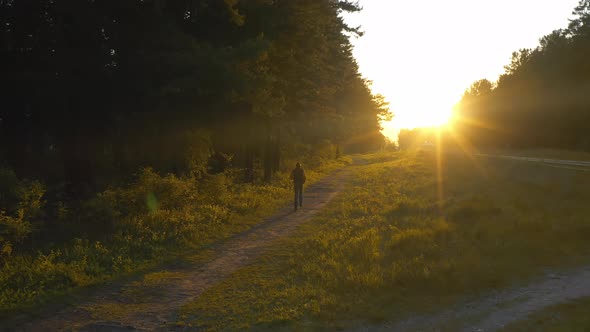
93	90
541	100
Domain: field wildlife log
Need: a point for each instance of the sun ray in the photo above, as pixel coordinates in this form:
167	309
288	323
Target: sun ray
439	170
467	148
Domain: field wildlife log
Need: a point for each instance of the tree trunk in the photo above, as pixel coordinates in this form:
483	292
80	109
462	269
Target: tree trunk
268	158
77	168
276	160
159	6
248	165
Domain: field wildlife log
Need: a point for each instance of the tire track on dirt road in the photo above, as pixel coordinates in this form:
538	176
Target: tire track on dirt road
499	308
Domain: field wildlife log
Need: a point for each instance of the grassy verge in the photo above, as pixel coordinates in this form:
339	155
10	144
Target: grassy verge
155	220
399	241
571	316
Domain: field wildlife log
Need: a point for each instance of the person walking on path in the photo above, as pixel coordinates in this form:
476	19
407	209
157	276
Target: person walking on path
298	177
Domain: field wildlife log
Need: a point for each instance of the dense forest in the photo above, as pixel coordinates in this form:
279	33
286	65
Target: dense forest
141	123
94	89
542	99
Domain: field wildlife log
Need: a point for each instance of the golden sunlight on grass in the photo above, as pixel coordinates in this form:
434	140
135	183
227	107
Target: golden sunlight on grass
414	231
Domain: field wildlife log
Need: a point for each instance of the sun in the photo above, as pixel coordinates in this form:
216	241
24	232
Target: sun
422	117
416	108
418	113
425	118
416	119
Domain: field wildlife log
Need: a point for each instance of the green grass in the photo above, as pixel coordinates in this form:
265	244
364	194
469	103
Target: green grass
176	223
390	245
572	317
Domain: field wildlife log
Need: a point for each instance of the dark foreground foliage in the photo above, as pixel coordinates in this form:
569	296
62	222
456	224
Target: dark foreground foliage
93	90
123	229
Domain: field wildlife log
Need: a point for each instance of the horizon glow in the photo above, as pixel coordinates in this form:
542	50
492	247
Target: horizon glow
422	55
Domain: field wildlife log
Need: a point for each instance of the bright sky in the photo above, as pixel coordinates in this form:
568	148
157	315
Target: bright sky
422	55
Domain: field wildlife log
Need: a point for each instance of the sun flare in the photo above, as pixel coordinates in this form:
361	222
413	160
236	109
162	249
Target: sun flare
414	108
420	114
424	118
423	69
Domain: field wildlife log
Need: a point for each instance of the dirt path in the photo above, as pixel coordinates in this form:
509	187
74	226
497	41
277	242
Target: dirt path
496	310
152	303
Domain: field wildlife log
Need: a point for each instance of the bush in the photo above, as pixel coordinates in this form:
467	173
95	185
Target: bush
21	204
125	228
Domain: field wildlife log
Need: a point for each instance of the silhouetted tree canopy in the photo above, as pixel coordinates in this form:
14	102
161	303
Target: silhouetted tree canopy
542	99
93	90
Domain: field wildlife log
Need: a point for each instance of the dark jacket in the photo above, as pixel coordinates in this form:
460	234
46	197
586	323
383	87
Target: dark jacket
298	175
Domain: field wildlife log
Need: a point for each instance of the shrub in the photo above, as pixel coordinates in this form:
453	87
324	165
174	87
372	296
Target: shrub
21	204
123	228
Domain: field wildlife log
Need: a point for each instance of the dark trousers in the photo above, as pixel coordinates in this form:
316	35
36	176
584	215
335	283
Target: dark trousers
298	187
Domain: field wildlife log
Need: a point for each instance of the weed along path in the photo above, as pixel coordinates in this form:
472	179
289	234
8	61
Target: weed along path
151	303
